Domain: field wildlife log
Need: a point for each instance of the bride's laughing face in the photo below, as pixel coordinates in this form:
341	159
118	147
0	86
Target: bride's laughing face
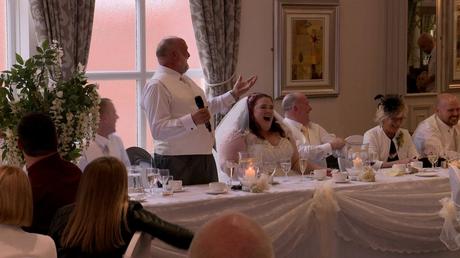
263	113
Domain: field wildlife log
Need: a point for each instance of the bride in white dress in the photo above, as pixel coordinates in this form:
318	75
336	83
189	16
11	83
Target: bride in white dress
253	126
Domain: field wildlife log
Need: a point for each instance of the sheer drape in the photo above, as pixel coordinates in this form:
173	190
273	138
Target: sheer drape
68	21
217	31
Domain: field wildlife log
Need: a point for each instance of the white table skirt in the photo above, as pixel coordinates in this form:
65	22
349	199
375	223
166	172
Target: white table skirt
393	217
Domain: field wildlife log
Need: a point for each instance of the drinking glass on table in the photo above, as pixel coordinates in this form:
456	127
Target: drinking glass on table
164	174
231	165
303	163
152	177
285	167
433	158
134	182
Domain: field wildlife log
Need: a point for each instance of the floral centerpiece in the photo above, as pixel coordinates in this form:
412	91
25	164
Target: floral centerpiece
35	85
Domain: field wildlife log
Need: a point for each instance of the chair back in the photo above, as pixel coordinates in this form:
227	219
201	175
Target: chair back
137	155
454	179
139	246
354	139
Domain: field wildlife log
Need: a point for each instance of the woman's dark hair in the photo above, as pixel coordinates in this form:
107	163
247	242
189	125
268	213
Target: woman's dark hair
253	126
388	106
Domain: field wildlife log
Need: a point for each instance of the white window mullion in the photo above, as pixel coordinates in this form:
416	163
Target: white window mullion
141	67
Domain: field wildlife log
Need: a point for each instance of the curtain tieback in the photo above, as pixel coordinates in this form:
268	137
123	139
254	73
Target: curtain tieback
220	83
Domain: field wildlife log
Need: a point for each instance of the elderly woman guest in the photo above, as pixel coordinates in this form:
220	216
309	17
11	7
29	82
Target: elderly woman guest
253	126
16	212
391	143
102	221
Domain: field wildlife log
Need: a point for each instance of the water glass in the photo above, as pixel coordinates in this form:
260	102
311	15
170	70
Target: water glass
231	165
164	174
285	167
167	187
433	158
152	177
135	183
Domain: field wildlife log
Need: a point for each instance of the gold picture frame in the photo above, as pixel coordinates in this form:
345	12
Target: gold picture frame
306	49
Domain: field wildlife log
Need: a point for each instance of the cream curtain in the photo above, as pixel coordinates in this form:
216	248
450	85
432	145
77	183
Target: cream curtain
217	30
69	22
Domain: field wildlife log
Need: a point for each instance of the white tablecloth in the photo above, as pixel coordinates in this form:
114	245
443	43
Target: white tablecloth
393	217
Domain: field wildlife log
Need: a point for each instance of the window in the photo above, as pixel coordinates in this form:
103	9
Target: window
122	55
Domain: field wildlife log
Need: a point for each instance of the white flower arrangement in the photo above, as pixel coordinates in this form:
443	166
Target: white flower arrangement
36	85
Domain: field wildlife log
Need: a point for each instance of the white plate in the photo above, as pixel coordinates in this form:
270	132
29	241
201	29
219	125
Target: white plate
427	174
217	192
342	182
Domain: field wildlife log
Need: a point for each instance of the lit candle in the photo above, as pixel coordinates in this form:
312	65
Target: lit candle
358	163
250	172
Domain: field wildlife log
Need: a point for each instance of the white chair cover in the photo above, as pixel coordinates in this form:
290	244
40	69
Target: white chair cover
139	246
355	139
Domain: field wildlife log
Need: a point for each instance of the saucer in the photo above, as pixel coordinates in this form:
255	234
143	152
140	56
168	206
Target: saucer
217	192
138	197
427	174
342	182
180	190
321	178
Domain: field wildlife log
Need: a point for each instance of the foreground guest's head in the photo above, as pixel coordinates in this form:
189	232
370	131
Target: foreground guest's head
172	52
448	108
15	197
37	135
231	236
391	112
100	207
297	107
261	115
108	117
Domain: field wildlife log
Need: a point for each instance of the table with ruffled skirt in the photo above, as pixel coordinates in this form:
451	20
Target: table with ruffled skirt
392	217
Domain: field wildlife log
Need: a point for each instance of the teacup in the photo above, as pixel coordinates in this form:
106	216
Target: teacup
399	167
176	185
319	173
339	177
217	187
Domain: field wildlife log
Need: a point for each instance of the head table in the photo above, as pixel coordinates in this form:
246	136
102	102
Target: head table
392	217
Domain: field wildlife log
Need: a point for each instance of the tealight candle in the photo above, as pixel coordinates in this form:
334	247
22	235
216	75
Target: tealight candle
250	172
358	163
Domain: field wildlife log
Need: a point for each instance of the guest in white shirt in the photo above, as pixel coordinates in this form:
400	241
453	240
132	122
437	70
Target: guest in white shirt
231	235
106	143
312	139
16	212
391	143
439	133
182	142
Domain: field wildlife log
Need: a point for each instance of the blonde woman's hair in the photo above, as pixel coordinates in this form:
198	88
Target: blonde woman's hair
95	224
15	197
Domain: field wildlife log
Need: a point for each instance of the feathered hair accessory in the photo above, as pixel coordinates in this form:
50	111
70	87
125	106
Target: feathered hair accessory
391	104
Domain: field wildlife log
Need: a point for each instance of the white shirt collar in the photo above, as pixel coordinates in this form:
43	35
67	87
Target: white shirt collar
296	124
442	126
169	71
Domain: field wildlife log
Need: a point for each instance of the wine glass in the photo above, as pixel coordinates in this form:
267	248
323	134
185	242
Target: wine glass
231	165
303	163
373	158
164	174
433	158
285	167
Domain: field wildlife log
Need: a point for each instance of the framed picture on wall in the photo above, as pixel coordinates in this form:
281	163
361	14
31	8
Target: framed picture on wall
306	49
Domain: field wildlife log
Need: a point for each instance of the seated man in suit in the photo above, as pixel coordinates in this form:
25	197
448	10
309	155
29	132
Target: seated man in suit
439	133
107	143
311	138
231	235
54	181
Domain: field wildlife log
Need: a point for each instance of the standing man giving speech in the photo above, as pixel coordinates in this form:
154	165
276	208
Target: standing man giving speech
183	144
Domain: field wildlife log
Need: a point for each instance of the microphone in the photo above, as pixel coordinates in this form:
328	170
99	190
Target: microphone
200	104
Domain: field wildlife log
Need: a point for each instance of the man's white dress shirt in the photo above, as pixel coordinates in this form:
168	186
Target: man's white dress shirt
380	143
433	135
15	242
168	101
314	142
100	147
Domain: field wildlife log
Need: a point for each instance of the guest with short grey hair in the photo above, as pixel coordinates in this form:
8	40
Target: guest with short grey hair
312	140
